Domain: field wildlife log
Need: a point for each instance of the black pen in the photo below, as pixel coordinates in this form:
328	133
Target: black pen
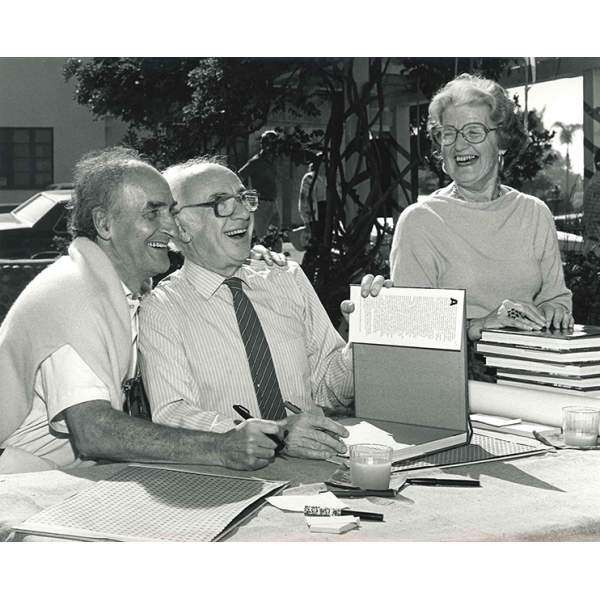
292	407
357	493
245	414
443	482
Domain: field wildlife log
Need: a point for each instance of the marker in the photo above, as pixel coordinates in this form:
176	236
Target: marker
245	414
443	482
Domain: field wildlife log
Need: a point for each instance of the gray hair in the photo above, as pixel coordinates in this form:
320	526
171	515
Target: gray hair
97	176
177	177
178	173
473	89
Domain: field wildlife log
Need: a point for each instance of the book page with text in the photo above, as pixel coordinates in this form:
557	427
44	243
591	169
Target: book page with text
413	317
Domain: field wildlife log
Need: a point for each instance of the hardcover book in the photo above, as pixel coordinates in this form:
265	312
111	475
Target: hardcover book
581	336
556	356
587	382
410	367
577	369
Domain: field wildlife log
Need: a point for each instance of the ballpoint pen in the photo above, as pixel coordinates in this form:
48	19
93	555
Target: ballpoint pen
245	414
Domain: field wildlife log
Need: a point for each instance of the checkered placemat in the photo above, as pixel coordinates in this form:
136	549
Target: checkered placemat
152	504
482	448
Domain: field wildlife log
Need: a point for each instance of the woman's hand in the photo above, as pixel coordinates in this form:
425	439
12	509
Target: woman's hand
521	315
557	317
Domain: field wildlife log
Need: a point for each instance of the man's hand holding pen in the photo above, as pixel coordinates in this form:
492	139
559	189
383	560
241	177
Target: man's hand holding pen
248	446
313	435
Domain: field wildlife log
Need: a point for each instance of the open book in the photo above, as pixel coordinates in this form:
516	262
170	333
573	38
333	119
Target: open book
410	367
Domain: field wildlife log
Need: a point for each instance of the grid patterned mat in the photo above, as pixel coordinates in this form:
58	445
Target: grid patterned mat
146	503
482	448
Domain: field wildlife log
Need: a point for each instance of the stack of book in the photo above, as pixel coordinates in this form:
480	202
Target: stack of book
567	361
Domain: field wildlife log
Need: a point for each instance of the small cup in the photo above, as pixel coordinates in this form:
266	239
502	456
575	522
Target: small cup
580	426
370	466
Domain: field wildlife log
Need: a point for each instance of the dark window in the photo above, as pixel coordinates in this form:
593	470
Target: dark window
26	157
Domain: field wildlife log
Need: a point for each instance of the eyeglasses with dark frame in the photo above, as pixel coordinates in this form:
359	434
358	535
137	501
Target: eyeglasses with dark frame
474	133
224	204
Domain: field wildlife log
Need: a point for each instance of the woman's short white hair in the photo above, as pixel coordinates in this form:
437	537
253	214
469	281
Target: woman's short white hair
473	89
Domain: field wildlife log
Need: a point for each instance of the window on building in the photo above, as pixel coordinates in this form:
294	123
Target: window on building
26	157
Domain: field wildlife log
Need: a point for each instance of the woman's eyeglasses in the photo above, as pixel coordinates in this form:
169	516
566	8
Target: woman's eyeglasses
474	133
224	204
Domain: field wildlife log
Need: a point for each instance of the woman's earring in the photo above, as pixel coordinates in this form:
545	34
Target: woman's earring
444	167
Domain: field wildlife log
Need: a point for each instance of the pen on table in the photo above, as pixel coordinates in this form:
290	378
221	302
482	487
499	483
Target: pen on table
245	414
357	493
443	482
319	511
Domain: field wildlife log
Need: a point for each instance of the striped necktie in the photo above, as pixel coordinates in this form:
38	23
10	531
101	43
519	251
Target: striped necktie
258	352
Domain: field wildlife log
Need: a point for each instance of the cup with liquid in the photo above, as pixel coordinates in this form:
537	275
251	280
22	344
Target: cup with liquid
580	426
370	466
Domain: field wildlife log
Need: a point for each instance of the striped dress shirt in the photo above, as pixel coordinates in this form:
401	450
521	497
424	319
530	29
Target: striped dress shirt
194	363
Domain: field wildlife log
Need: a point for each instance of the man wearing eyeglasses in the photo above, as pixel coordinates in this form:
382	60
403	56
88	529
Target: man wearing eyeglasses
236	332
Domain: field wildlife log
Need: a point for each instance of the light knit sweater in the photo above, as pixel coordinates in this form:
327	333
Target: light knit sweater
506	248
79	301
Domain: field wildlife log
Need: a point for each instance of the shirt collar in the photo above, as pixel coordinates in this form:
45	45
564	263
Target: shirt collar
208	282
132	301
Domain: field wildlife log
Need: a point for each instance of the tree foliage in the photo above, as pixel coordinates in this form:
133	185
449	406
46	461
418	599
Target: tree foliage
177	108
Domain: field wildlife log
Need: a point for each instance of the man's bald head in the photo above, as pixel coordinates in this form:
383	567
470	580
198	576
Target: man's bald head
218	243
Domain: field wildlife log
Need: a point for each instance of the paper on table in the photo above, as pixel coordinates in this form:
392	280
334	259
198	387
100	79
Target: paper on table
413	317
338	524
495	421
366	433
297	503
529	405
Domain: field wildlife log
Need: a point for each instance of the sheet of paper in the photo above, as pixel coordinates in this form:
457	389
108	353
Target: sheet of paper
494	420
366	433
297	503
412	317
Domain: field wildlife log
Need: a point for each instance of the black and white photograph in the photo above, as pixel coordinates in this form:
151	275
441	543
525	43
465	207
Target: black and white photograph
301	298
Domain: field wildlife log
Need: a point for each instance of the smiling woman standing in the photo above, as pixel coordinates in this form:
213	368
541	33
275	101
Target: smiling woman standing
477	234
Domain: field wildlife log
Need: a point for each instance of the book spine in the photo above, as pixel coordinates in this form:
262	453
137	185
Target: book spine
563	386
508	372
